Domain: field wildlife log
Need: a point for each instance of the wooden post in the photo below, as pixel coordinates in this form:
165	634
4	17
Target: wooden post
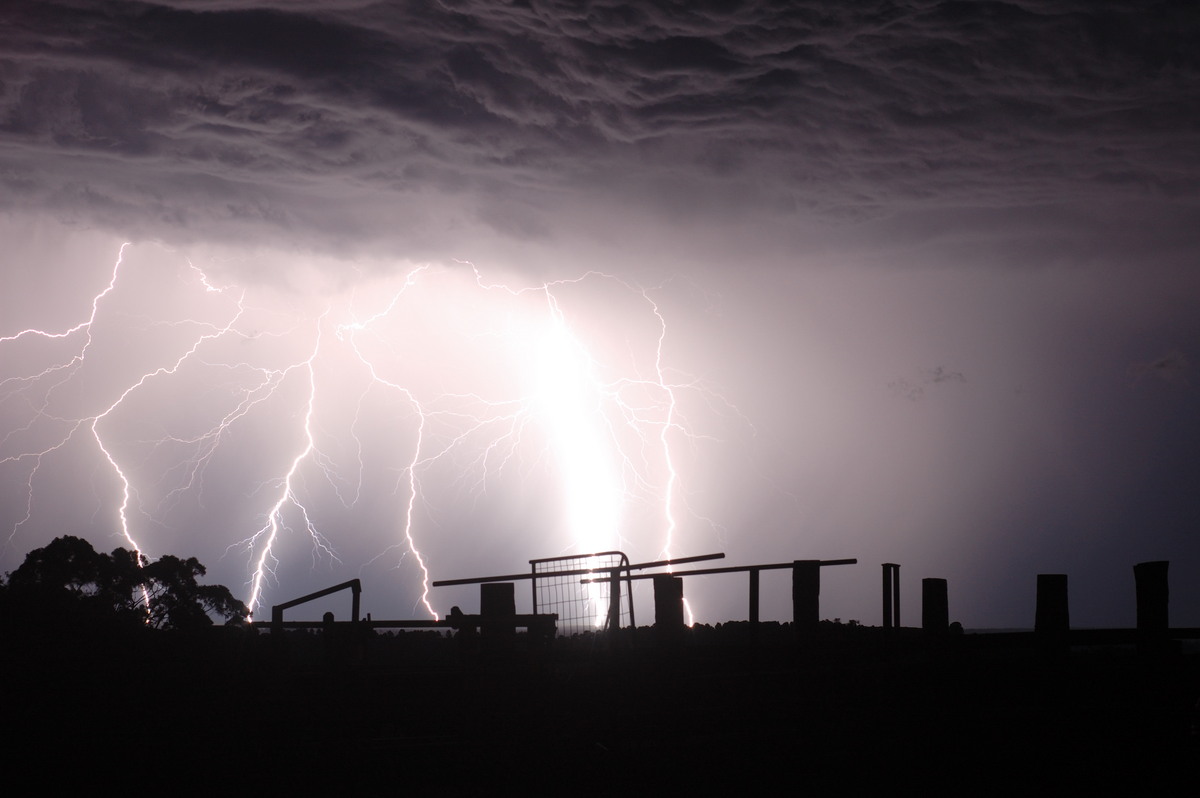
668	602
891	595
1153	623
1053	612
754	595
935	607
887	595
806	595
896	595
533	575
498	609
614	599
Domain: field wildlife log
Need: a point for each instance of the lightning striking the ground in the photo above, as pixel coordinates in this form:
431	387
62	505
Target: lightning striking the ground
384	425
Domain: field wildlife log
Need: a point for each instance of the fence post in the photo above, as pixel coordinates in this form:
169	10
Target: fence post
1153	624
891	595
533	586
806	595
614	599
935	607
668	602
1052	623
498	609
753	595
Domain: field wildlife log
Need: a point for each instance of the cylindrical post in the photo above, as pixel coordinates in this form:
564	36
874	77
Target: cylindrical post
668	602
806	594
896	596
1150	580
754	595
887	595
498	608
1053	614
935	607
614	599
891	595
533	575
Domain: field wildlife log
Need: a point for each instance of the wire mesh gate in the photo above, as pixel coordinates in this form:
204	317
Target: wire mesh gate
584	607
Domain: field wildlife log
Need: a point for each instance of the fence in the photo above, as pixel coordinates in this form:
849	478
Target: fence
581	606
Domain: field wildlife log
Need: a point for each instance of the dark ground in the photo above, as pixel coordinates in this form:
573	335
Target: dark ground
232	712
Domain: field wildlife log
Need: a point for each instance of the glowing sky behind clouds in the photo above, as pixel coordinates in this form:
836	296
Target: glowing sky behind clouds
939	256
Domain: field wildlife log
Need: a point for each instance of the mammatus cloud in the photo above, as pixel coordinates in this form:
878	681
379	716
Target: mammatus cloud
412	120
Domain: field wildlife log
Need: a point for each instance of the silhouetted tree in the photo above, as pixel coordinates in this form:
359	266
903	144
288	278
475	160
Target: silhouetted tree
68	563
120	584
177	601
68	577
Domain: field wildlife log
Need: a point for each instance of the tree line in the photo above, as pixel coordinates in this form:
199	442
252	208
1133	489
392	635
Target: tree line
68	580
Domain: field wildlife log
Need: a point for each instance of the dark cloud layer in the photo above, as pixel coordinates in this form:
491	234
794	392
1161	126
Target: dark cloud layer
340	118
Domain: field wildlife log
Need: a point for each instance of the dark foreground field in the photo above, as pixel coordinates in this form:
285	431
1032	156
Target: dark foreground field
233	712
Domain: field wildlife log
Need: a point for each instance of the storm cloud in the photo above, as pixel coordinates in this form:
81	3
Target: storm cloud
408	121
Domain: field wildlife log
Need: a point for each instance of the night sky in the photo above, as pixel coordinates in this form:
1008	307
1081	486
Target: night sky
910	282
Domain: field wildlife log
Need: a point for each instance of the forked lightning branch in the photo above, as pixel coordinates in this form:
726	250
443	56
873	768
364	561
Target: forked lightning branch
171	389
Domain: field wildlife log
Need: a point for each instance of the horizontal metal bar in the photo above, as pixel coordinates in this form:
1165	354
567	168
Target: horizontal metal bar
417	623
676	561
354	585
421	623
576	556
479	580
732	569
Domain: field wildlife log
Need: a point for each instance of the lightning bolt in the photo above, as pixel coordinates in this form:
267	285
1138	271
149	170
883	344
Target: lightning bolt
57	374
607	431
348	333
663	415
60	372
264	539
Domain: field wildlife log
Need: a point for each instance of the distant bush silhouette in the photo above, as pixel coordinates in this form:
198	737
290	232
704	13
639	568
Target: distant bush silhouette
69	579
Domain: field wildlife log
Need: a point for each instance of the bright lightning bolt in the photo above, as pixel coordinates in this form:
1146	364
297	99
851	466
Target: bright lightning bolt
93	422
266	536
348	332
470	379
19	384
